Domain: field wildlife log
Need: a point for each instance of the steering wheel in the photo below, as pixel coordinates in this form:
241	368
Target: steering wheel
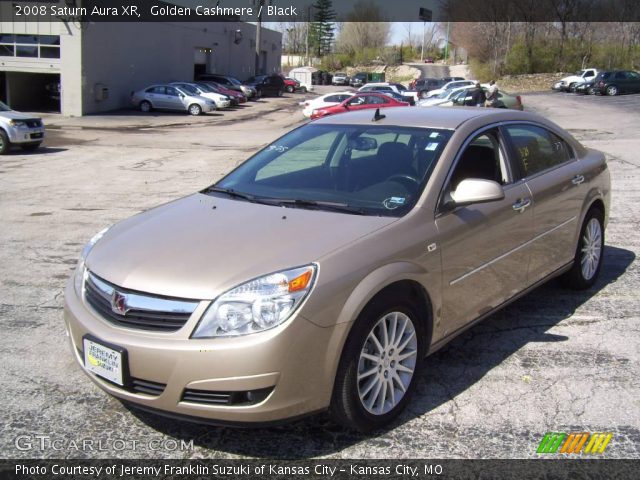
406	180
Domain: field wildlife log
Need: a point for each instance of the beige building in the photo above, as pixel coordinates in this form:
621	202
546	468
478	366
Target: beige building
80	68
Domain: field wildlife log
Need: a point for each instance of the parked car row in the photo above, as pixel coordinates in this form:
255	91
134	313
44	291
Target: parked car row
425	85
212	92
384	95
606	82
461	96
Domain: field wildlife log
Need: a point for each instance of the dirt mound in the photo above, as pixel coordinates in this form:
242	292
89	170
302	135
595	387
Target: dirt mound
537	82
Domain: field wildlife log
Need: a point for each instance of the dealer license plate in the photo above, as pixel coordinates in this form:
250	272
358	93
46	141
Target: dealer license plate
103	361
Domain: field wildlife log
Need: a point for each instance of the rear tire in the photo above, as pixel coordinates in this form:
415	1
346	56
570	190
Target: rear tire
423	94
377	372
145	106
589	252
5	144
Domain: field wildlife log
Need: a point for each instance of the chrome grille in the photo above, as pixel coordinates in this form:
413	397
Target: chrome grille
136	310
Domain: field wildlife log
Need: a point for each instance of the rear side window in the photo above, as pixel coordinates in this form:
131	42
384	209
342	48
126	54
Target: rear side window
537	149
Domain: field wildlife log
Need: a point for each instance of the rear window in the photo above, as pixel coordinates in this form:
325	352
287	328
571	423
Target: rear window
537	149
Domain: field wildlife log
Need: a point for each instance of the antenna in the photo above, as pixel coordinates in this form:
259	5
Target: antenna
378	116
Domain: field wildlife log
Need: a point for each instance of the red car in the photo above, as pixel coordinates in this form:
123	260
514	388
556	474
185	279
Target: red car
292	85
360	101
234	94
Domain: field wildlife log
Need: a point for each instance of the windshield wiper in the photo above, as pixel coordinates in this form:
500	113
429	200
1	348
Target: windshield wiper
231	192
335	206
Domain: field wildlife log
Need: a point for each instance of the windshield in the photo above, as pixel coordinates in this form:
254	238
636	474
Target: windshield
191	90
445	94
4	108
234	80
372	170
206	88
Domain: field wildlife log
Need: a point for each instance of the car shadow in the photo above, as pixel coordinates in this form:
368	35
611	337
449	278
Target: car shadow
448	372
39	151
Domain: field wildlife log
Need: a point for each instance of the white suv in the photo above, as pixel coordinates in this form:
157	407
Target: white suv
569	83
19	129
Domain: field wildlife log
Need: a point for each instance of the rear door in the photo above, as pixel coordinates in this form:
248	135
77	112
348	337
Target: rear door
555	178
484	246
156	96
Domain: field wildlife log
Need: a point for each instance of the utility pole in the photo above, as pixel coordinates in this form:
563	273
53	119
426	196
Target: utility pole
425	15
424	33
446	47
306	47
258	37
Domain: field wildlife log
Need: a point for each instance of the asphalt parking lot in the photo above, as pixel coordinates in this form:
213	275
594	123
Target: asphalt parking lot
555	360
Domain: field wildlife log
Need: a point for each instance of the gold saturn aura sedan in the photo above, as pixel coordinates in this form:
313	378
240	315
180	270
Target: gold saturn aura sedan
321	272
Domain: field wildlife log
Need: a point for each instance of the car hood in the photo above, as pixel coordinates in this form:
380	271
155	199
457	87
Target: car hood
200	246
13	115
572	78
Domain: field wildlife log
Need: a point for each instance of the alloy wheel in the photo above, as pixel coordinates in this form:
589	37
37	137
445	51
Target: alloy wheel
591	249
387	363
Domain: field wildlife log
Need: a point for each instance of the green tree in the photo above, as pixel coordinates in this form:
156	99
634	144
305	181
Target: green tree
321	29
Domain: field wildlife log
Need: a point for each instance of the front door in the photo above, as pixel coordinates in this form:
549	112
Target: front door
484	246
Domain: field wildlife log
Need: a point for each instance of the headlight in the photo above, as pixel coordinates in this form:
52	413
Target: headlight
257	305
80	270
17	123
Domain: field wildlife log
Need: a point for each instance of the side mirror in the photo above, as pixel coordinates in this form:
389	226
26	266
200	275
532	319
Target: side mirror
363	144
476	190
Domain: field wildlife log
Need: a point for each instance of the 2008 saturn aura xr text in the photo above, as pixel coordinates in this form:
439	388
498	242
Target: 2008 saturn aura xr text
321	272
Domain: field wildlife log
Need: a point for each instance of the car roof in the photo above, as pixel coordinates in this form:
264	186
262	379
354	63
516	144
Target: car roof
447	118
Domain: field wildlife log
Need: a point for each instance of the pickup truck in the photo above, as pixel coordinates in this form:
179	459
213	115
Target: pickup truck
569	84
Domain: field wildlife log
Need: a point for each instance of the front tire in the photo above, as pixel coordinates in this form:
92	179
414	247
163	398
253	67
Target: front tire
5	144
589	252
195	109
380	363
290	89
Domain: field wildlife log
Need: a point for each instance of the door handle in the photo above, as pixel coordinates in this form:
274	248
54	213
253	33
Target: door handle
577	180
521	204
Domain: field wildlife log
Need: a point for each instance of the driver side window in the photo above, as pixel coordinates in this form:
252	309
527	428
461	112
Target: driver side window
482	159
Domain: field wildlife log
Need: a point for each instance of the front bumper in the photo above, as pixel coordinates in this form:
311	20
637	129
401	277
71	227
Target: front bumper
223	104
296	361
25	134
249	92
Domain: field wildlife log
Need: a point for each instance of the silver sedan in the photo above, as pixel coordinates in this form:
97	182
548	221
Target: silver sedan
170	97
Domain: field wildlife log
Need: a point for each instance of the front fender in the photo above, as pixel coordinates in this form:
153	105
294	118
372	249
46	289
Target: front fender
376	281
